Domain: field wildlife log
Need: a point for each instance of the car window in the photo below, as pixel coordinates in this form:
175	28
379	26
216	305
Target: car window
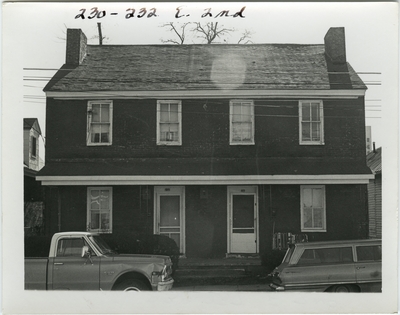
68	247
326	256
369	253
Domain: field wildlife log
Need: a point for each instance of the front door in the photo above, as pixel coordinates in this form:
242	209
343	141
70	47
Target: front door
242	220
169	218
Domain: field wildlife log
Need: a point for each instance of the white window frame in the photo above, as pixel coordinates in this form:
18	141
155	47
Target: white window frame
88	217
307	229
89	123
321	114
159	141
231	140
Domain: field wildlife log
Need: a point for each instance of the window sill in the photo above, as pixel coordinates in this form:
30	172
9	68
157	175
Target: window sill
99	144
313	231
169	143
312	143
241	143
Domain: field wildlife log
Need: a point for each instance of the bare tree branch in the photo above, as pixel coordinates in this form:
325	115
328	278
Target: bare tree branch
245	35
211	31
180	33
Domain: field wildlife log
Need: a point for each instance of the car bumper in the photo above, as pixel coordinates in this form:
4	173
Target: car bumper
276	287
165	285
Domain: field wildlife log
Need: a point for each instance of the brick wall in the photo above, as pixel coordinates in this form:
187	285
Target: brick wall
205	130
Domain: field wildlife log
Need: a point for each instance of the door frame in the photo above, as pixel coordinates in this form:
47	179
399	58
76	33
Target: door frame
171	191
242	190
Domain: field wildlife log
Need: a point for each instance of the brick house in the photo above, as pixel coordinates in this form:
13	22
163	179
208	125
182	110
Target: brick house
33	192
217	146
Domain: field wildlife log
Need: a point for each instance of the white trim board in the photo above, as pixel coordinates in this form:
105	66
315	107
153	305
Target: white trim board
205	180
202	94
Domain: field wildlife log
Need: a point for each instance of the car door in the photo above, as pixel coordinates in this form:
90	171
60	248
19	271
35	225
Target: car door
369	264
70	270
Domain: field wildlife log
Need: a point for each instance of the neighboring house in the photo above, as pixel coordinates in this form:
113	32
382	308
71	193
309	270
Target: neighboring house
374	162
217	146
33	194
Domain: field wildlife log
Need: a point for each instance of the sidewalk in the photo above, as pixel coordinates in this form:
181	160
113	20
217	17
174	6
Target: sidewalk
237	287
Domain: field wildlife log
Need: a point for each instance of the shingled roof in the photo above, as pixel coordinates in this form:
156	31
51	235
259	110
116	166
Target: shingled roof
207	67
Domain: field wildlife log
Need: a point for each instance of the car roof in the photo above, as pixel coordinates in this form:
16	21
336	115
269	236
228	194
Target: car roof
340	242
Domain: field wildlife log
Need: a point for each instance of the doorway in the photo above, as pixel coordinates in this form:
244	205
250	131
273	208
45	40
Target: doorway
243	219
169	216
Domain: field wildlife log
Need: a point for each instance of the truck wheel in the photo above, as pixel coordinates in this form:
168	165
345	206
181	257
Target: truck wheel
131	285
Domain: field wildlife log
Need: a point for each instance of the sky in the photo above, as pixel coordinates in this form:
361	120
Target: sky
34	38
368	28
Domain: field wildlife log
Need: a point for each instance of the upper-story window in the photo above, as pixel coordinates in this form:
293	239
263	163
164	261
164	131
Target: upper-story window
241	115
99	116
311	121
169	122
33	147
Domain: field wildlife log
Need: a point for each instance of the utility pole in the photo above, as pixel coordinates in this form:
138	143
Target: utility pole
100	35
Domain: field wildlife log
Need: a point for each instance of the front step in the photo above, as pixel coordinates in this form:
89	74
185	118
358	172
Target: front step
214	273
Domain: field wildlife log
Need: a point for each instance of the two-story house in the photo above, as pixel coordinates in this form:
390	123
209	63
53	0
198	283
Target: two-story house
33	192
216	146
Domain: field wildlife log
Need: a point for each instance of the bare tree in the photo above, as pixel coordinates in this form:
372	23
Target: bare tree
245	38
211	31
179	31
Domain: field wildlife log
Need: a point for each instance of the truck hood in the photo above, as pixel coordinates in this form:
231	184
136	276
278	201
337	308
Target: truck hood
142	258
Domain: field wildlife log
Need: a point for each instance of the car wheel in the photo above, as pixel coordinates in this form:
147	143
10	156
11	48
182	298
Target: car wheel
342	289
132	285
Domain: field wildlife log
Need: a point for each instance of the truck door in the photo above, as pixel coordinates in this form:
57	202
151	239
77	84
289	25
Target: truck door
70	270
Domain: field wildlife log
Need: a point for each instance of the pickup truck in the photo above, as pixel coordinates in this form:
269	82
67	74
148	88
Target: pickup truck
83	261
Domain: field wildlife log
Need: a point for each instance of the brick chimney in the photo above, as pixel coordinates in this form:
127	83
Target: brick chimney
335	46
76	47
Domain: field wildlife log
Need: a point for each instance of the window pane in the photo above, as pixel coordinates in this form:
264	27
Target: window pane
307	217
307	197
246	112
105	221
105	113
315	111
95	199
96	113
173	113
241	131
305	112
105	132
369	253
315	131
95	220
317	197
104	199
236	112
318	218
164	112
305	131
169	211
243	211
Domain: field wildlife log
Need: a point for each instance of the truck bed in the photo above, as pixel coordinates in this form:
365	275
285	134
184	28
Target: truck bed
36	273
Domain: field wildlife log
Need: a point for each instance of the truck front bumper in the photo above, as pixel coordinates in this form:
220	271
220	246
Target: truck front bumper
165	285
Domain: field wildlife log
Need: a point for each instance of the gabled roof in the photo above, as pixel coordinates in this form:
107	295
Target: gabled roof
208	67
374	161
30	123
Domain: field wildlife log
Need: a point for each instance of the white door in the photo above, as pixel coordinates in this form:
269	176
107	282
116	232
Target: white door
242	220
169	216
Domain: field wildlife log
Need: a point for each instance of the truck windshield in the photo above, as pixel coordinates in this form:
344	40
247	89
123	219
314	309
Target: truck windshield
101	245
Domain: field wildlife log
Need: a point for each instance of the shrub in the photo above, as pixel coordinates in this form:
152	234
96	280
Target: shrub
272	258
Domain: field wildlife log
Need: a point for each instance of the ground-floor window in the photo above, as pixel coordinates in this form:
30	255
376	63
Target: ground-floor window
313	209
99	209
